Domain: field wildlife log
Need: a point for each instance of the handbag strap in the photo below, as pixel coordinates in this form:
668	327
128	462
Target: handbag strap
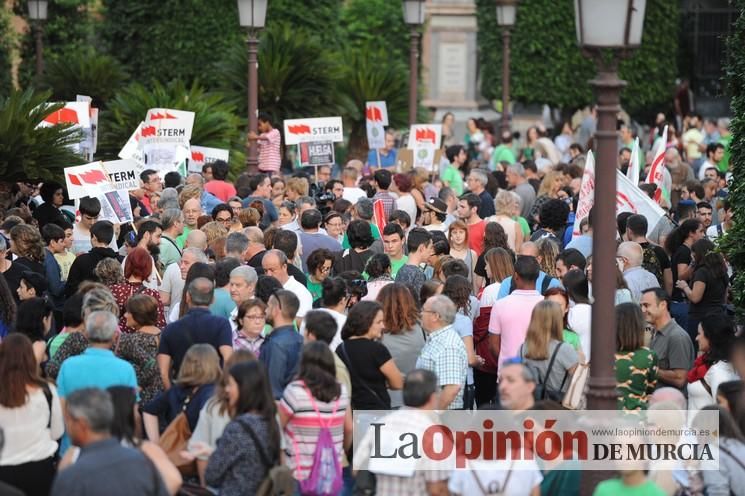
259	448
354	372
731	455
315	405
550	366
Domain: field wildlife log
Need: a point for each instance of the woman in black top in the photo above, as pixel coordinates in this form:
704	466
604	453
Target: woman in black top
707	292
49	211
369	363
678	245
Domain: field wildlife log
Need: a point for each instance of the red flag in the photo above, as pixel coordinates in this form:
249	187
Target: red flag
379	215
374	114
93	176
197	156
63	115
74	180
299	129
148	131
426	134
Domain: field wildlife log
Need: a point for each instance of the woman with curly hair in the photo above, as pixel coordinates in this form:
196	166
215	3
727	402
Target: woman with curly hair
27	245
378	270
402	334
548	250
109	272
458	289
552	182
494	237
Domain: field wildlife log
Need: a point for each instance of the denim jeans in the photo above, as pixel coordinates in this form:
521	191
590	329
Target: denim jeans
679	311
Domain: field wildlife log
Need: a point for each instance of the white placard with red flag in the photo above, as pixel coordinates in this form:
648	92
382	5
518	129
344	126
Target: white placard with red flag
164	139
656	172
87	180
201	155
424	139
634	170
77	113
376	112
376	118
123	174
586	194
313	129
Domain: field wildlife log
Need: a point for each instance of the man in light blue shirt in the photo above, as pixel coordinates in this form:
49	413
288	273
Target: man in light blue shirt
387	154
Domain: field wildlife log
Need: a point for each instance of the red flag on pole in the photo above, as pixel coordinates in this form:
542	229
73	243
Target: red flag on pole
379	215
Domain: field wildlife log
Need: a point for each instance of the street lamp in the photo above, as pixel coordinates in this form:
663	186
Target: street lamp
606	30
252	15
37	12
506	13
414	17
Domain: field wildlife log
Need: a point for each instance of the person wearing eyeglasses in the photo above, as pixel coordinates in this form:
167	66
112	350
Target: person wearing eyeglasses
275	264
319	265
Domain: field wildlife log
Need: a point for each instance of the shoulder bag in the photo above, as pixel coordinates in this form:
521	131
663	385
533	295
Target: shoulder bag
279	480
175	439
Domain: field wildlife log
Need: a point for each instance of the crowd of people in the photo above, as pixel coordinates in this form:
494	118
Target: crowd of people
224	338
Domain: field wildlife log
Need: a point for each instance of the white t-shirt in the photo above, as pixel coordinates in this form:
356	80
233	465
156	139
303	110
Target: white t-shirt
492	476
306	299
579	319
172	284
340	319
81	241
353	195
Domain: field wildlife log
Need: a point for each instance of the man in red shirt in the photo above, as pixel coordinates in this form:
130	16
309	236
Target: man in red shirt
218	186
468	208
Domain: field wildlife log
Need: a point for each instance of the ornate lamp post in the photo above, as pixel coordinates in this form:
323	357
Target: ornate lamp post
252	15
506	14
607	30
37	12
414	17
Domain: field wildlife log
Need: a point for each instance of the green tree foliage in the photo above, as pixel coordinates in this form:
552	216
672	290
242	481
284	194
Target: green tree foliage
315	16
297	75
376	23
69	28
84	72
161	41
7	44
215	122
733	243
370	74
29	151
547	66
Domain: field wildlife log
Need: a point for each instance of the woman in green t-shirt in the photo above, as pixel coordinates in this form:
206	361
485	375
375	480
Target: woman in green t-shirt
319	266
559	295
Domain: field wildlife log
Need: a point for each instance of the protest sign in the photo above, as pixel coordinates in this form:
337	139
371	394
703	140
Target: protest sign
201	155
164	139
77	113
586	194
132	150
87	180
316	153
123	174
376	117
115	207
424	139
315	129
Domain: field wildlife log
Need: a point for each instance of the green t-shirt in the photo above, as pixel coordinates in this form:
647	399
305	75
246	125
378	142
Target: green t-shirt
396	265
181	240
56	342
523	225
724	163
616	487
315	288
502	153
451	176
168	252
572	338
375	235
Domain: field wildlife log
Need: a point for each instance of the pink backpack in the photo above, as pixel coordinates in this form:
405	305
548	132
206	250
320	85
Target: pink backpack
325	478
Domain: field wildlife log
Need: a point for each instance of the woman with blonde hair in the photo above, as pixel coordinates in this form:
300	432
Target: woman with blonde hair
544	352
552	182
214	230
459	248
296	187
504	205
194	386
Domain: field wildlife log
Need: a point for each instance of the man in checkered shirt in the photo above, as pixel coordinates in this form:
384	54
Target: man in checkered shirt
444	353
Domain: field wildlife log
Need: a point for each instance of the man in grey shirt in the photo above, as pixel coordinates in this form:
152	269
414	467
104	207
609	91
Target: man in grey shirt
517	181
670	342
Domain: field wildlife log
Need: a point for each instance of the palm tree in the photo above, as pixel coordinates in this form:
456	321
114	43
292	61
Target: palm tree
28	151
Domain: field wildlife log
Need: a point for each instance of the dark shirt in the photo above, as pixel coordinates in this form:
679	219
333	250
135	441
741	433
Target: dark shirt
107	467
168	404
351	260
487	205
56	286
681	256
256	260
363	358
412	276
714	294
82	269
16	270
197	326
280	353
47	213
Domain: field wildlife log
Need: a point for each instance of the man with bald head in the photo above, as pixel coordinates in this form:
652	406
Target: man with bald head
629	257
544	281
197	326
192	209
274	264
349	177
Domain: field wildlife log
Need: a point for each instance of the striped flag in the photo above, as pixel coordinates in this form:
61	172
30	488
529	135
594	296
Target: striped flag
634	165
379	215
